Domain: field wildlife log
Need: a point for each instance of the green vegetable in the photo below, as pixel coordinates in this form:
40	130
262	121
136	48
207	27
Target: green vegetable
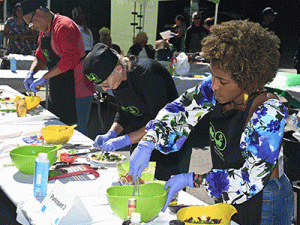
8	110
7	165
207	221
107	157
73	151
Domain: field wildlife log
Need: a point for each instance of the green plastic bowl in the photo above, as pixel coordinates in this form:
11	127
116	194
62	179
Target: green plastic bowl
150	202
24	157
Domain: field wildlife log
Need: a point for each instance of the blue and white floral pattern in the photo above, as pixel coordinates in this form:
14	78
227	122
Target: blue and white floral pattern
260	142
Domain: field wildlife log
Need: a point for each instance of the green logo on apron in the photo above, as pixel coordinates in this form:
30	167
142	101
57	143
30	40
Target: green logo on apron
219	140
94	78
132	109
46	54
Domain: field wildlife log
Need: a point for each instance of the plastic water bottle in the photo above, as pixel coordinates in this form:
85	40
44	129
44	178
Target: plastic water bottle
13	64
41	172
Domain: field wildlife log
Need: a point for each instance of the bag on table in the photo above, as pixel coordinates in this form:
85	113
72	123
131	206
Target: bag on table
182	66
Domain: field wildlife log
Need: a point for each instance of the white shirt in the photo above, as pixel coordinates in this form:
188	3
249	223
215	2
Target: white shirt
87	38
143	53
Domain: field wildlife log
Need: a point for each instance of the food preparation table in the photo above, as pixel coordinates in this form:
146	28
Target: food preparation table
91	191
15	80
38	114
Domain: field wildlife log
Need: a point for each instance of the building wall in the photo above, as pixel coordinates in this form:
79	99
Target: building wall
121	18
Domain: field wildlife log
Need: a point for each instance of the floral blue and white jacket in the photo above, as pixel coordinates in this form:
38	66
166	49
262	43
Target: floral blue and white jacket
260	142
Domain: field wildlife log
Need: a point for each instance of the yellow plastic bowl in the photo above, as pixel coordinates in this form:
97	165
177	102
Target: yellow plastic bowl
31	101
222	211
57	134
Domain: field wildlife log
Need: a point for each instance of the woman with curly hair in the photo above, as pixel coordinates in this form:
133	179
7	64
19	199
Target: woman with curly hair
246	126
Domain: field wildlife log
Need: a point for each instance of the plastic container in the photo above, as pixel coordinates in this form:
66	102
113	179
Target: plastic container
149	204
13	64
218	211
41	172
21	107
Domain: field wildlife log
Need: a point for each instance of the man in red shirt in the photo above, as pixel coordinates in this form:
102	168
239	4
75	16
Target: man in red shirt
61	49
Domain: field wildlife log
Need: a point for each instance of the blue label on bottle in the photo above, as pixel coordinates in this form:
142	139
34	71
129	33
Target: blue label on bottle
41	179
13	65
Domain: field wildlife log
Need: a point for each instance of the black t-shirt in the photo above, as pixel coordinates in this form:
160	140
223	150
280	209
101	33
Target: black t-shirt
193	38
153	85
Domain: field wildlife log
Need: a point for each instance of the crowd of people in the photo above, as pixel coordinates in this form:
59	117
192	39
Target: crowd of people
244	124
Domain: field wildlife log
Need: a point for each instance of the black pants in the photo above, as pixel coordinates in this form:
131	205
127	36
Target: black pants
8	210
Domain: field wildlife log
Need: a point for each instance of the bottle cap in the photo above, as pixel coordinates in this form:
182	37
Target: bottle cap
135	217
42	156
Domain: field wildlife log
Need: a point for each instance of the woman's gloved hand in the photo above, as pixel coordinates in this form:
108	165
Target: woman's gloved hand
101	139
140	158
38	82
28	80
116	143
177	183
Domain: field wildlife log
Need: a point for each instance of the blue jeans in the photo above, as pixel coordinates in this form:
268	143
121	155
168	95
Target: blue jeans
83	108
278	202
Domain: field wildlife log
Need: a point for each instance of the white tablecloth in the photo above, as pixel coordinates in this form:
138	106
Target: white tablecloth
184	83
91	191
39	114
15	80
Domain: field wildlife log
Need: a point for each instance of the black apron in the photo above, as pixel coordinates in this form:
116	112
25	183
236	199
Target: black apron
62	87
225	132
137	110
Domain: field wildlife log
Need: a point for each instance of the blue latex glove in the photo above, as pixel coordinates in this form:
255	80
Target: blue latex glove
28	80
101	139
177	183
140	158
116	143
38	82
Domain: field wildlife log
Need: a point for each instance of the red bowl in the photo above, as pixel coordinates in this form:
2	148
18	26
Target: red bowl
64	158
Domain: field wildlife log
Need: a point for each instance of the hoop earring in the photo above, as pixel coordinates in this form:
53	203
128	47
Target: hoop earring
246	96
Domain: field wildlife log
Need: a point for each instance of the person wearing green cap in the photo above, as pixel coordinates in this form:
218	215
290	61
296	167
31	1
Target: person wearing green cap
61	49
141	87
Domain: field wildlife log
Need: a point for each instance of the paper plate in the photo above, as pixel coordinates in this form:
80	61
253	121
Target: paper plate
106	163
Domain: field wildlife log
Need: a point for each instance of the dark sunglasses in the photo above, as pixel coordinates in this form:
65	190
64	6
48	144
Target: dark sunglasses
30	22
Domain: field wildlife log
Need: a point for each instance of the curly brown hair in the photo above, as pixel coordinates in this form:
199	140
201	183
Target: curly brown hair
246	50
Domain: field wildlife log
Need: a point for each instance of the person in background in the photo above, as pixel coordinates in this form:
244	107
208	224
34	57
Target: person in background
246	127
86	33
141	87
19	35
164	50
179	35
61	49
105	38
208	23
78	12
194	34
268	18
297	58
141	48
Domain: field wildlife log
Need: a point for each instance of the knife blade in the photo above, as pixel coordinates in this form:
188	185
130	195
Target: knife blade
93	150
